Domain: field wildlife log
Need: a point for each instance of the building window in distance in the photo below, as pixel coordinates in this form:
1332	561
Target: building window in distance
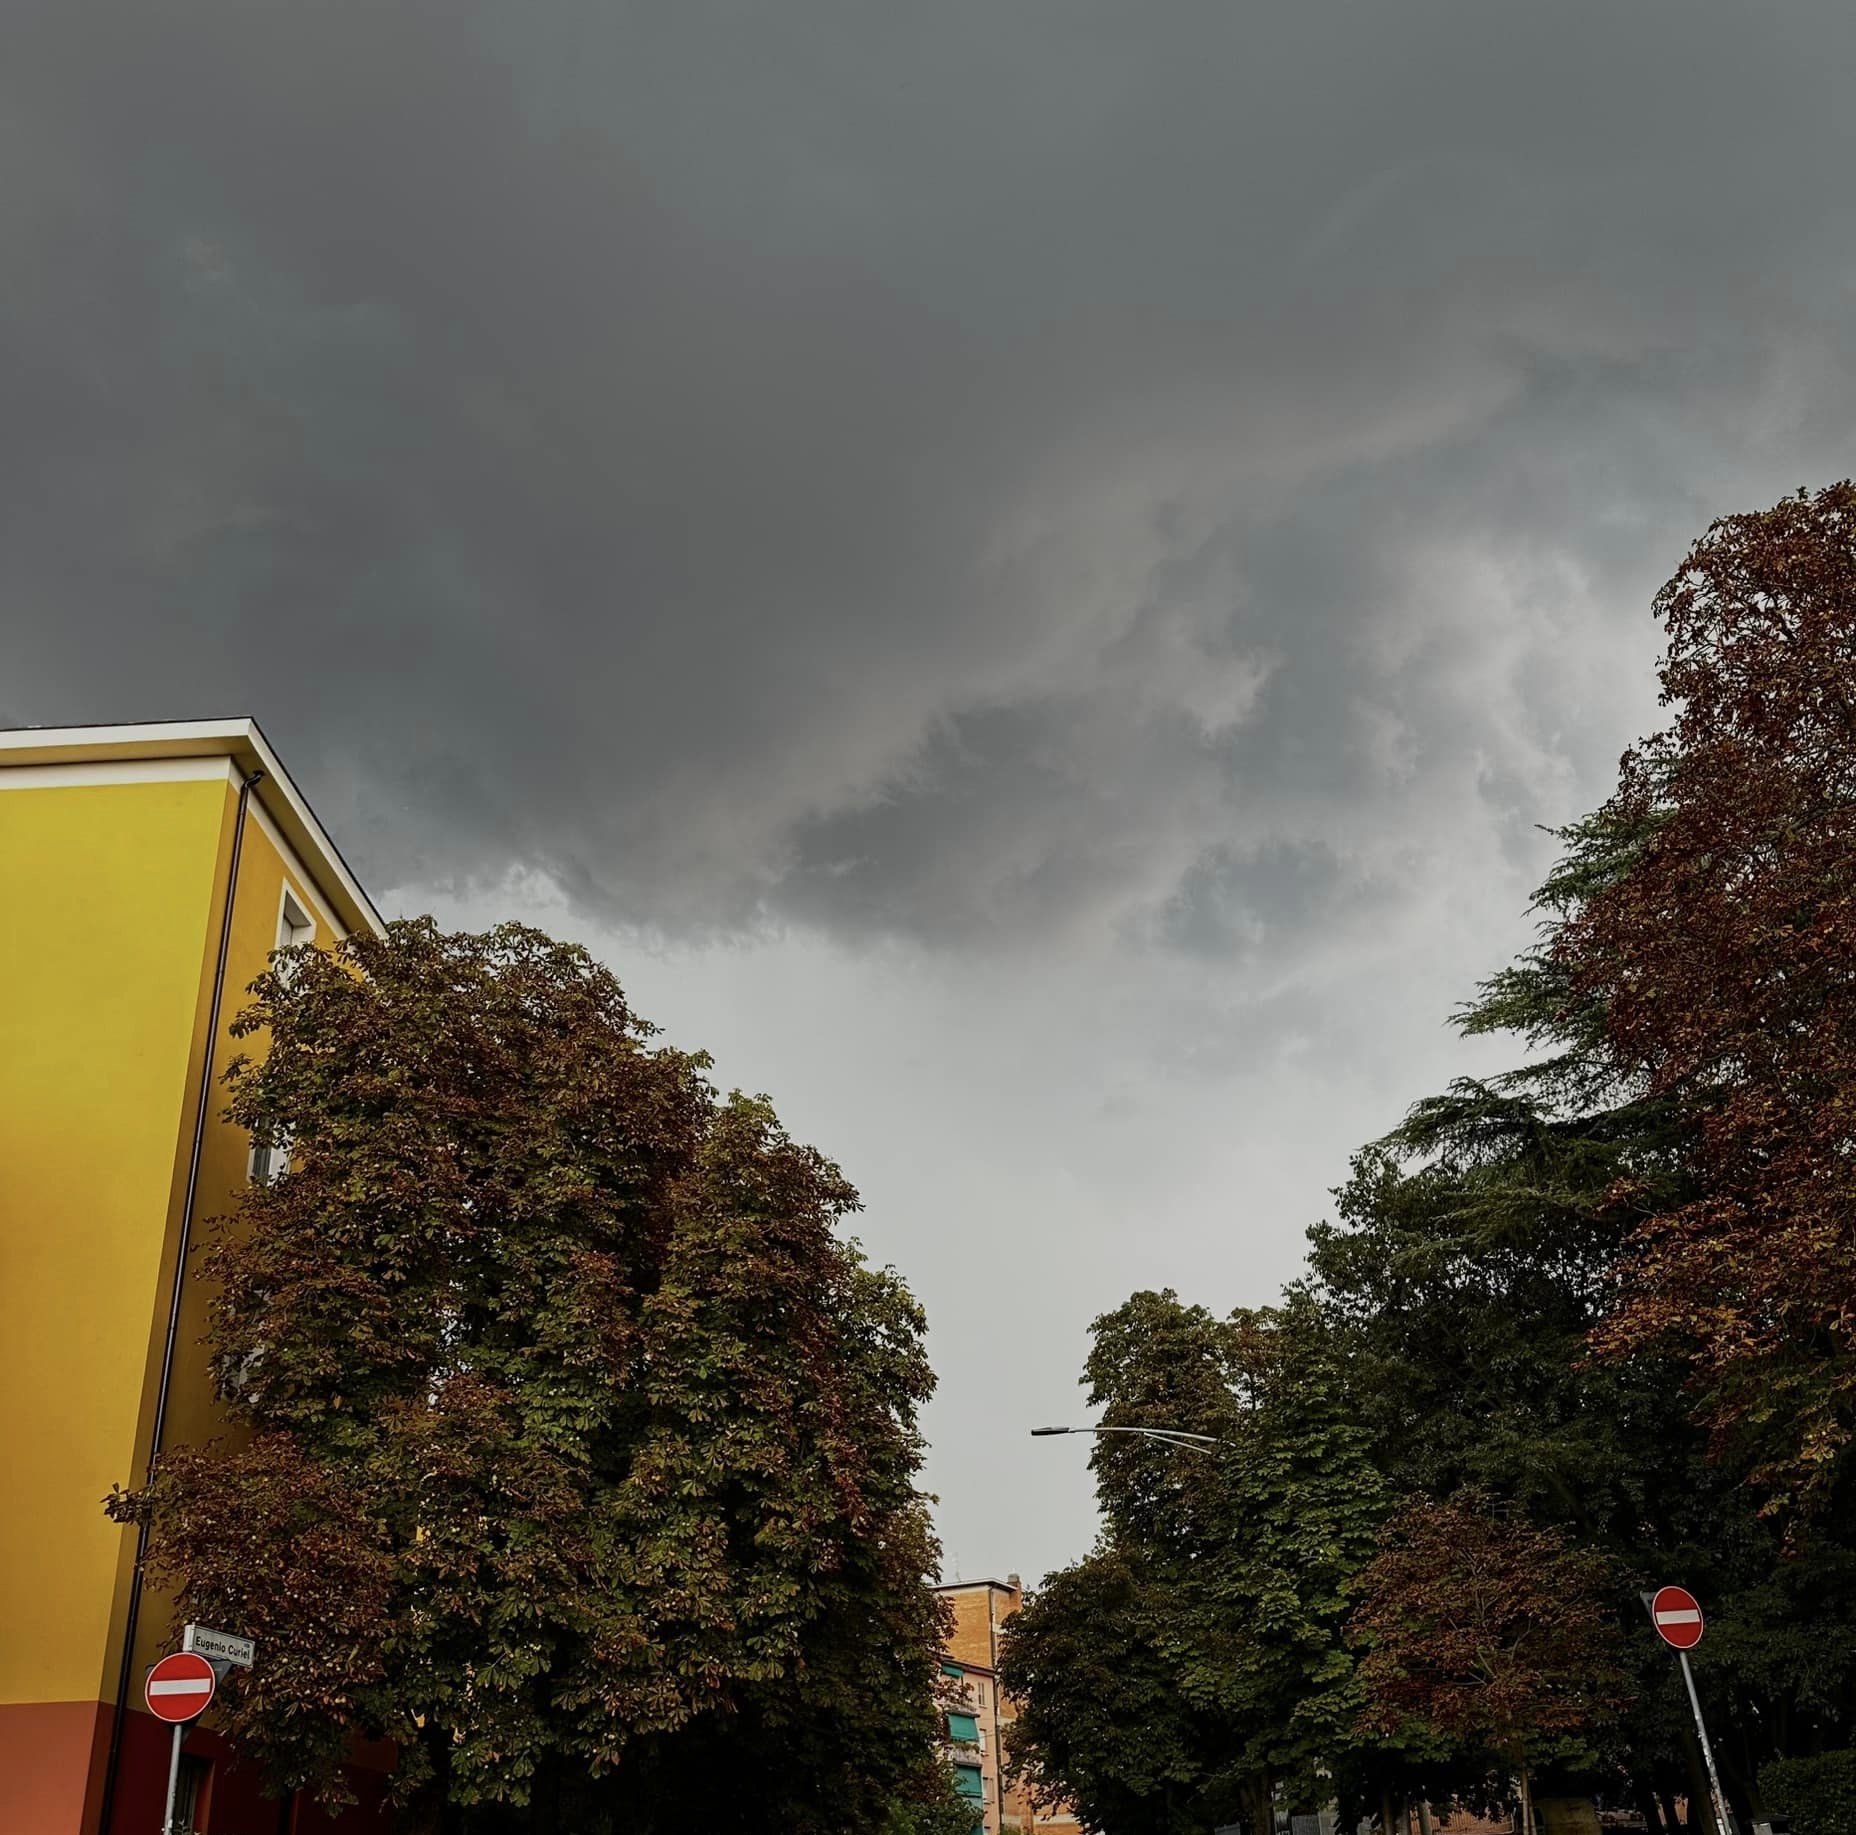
969	1783
963	1729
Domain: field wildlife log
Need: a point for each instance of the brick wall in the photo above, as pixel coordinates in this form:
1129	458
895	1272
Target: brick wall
982	1609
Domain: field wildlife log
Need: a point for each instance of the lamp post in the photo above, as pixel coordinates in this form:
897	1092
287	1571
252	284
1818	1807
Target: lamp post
1167	1436
1173	1436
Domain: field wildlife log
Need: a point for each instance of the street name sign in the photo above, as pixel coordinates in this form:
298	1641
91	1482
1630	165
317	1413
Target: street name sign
220	1646
180	1687
1676	1614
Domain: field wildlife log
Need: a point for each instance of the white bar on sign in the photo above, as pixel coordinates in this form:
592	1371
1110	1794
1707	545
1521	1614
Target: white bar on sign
1678	1618
177	1688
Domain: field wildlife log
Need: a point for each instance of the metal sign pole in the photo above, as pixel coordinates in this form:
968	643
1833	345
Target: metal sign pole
167	1820
1721	1819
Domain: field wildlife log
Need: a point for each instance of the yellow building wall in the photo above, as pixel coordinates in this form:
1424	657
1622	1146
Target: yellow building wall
106	907
110	902
225	1161
225	1166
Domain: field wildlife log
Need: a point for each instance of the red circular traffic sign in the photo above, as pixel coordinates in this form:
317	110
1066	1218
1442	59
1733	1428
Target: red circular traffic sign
1676	1613
180	1688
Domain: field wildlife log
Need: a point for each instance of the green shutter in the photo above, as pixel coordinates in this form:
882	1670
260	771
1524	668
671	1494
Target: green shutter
963	1729
968	1782
952	1669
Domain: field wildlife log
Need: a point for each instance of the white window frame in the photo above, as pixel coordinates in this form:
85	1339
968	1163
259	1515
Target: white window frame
296	923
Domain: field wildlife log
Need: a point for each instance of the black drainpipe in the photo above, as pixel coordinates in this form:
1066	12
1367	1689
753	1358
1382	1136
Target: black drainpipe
124	1675
998	1747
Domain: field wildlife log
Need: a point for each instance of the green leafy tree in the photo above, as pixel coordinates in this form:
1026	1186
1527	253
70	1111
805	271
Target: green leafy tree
1473	1249
571	1443
1664	1177
1489	1632
1470	1260
1116	1716
932	1806
1303	1503
1817	1794
1211	1619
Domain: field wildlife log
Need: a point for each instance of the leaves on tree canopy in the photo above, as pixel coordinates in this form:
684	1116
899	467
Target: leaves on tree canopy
1488	1631
570	1435
1724	960
1665	1177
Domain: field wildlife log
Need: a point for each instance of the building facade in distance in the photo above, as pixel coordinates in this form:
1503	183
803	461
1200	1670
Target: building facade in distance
146	872
982	1609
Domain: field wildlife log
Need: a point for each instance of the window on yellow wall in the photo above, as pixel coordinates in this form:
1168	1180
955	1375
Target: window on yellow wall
294	926
268	1163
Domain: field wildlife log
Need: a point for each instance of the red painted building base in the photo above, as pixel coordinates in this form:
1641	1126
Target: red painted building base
52	1760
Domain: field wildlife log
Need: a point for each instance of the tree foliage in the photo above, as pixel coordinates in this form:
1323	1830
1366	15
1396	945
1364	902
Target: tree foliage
1816	1794
1664	1177
571	1441
1488	1631
1114	1718
1724	961
1470	1260
1212	1616
932	1805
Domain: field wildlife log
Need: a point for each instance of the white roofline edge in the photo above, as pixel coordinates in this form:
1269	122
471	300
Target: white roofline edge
240	739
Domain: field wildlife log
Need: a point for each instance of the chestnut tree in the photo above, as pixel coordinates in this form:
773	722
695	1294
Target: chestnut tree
571	1448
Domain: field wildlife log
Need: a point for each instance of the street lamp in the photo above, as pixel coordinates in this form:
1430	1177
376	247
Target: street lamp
1173	1436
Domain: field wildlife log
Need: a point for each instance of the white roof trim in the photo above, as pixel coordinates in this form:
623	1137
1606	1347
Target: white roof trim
239	740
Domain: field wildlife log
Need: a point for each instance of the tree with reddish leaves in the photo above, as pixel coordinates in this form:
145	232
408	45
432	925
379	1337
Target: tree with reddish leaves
1489	1635
1723	959
574	1450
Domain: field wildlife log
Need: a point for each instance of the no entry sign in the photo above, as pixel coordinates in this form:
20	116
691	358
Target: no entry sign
1676	1614
180	1687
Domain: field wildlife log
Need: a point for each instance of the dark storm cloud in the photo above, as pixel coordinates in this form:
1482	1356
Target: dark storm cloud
963	471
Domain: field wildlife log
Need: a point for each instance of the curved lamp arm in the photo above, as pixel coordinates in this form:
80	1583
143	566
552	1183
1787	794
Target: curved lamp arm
1172	1436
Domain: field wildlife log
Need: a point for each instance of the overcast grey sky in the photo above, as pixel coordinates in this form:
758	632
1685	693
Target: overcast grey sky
1023	569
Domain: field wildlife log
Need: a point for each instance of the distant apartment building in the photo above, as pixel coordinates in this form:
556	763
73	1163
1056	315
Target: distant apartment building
976	1733
146	872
